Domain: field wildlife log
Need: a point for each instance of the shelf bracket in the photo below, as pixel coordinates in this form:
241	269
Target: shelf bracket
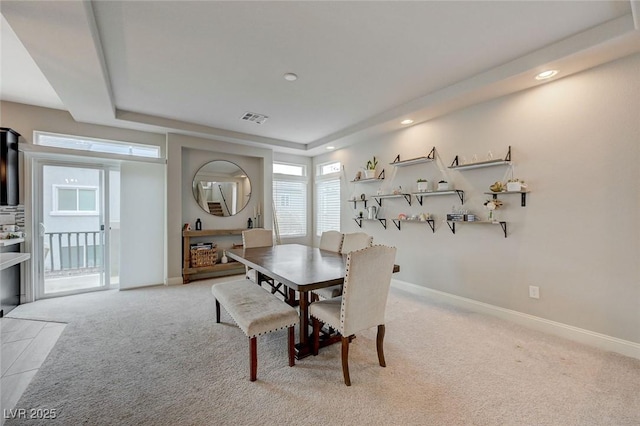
358	222
383	222
381	175
508	157
419	198
396	222
460	195
379	201
504	228
397	159
452	226
407	197
523	199
432	224
454	163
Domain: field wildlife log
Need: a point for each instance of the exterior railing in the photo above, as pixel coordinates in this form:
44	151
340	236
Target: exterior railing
74	252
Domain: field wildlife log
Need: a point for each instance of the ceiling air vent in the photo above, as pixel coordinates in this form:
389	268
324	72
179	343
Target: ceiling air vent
254	118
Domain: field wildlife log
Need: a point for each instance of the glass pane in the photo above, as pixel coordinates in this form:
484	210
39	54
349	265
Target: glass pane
87	200
111	147
67	199
288	169
330	168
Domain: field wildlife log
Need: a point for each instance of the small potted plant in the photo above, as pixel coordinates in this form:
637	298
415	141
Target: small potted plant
423	185
515	185
443	185
370	170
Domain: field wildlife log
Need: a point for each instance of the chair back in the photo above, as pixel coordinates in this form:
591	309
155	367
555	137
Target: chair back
356	241
331	241
257	238
365	289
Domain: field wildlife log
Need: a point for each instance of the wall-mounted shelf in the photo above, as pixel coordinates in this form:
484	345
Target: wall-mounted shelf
430	222
489	163
379	198
375	179
355	202
458	192
523	195
360	219
452	224
419	160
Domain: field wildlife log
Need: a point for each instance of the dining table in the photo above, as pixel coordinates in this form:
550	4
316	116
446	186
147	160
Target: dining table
300	268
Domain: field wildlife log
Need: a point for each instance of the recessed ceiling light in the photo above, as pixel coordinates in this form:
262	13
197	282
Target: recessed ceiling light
546	74
290	76
407	121
331	147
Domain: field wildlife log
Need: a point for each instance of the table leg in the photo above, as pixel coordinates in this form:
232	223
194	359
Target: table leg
303	348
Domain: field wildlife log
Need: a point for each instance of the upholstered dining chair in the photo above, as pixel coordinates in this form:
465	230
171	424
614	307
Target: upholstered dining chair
356	241
362	304
350	242
253	238
331	241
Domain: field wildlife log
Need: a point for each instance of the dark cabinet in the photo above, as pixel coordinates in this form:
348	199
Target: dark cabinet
9	174
9	283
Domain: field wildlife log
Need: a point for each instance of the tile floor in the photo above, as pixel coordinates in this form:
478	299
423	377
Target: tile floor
24	347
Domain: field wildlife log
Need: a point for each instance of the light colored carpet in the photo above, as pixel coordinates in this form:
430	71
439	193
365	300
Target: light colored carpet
155	356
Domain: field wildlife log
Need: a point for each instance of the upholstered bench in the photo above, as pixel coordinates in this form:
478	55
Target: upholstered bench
256	312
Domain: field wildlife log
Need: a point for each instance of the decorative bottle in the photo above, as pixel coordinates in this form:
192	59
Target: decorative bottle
249	223
198	225
224	259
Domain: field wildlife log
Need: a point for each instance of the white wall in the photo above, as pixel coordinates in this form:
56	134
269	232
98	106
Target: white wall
576	143
185	155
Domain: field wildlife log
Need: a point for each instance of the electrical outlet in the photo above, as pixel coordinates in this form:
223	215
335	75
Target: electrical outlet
534	292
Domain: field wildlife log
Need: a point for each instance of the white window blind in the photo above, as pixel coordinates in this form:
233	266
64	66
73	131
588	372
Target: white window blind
290	198
327	205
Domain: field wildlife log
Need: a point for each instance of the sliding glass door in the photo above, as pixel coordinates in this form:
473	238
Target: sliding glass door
74	223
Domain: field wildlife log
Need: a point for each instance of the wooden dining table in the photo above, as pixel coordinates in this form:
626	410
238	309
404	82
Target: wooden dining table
300	268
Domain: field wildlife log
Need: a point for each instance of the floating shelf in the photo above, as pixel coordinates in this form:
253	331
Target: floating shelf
458	192
523	195
430	222
419	160
379	198
375	179
452	224
489	163
360	219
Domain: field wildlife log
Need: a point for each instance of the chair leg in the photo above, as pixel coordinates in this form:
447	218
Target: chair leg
379	342
345	360
253	358
217	311
316	336
292	351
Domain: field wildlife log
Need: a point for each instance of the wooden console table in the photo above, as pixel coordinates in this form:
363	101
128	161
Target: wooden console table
230	268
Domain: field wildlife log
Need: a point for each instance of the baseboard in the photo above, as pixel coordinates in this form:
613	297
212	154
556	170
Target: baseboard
591	338
174	281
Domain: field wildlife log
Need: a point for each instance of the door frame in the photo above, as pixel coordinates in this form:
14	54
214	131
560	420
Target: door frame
37	239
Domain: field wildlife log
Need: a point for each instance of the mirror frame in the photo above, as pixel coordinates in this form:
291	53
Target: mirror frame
195	181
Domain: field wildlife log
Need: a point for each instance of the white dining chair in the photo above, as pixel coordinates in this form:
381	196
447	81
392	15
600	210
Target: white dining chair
350	242
356	241
331	241
362	304
254	238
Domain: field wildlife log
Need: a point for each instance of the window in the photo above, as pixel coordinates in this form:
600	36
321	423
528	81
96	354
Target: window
290	199
70	200
328	198
96	145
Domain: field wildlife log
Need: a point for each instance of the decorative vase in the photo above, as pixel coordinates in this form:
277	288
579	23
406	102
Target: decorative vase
224	258
492	216
423	186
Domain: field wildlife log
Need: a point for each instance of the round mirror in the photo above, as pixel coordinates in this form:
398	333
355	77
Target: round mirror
221	188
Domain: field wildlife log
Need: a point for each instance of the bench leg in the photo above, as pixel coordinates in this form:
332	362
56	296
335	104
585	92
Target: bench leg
217	311
292	350
253	358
